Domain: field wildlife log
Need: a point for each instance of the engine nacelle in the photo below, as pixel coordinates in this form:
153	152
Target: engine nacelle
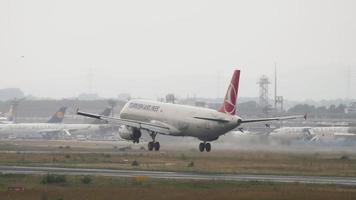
130	133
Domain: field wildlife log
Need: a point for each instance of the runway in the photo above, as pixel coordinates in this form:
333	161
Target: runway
180	175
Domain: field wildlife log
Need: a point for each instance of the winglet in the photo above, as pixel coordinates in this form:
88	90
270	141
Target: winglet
305	116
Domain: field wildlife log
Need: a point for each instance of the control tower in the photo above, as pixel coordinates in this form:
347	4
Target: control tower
264	95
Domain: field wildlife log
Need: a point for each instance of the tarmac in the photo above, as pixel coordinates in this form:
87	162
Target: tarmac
180	175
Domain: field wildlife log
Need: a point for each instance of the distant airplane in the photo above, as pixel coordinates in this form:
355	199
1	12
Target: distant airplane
54	128
289	134
83	130
58	116
98	127
8	118
53	125
152	117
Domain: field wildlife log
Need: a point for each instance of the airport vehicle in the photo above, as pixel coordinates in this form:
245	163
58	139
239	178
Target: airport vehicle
152	117
289	134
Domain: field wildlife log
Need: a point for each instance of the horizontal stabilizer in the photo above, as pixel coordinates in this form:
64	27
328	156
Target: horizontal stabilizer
274	119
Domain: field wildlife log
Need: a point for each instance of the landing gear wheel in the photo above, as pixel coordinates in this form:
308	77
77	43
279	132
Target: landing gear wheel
156	146
201	147
207	147
153	145
150	146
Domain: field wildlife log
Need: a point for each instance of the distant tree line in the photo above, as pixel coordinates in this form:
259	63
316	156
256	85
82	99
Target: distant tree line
305	108
46	108
251	108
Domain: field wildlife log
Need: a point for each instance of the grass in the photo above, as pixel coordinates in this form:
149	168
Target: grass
132	188
237	162
96	187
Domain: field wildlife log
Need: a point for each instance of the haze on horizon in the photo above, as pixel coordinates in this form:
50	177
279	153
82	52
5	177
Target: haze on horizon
63	48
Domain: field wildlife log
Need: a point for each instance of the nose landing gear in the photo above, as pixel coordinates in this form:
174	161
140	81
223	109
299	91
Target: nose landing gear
204	146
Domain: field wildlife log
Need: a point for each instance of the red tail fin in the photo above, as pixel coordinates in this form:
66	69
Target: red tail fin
229	105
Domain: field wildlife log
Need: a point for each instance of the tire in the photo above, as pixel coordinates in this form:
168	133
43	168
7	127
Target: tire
150	146
207	147
201	147
157	146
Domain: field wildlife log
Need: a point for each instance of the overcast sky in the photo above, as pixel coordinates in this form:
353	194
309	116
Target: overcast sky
63	48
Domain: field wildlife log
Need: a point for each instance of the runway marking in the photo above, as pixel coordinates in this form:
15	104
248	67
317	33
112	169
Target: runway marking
180	175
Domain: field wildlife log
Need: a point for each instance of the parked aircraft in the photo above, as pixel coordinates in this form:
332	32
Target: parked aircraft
8	118
153	117
80	130
25	129
58	116
289	134
98	128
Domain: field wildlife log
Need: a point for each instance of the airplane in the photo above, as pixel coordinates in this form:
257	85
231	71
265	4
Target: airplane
54	127
8	118
153	117
312	134
80	130
46	128
98	128
84	129
58	116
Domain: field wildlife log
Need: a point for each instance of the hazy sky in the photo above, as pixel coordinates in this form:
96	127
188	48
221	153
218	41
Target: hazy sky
150	48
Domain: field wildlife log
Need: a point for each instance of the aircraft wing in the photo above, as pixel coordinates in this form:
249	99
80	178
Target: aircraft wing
273	119
67	132
345	135
55	131
49	131
150	126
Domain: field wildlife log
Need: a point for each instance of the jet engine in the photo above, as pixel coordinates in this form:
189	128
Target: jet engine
309	134
130	133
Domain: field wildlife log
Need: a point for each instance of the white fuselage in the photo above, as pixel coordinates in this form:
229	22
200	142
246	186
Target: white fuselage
203	123
5	120
44	128
312	133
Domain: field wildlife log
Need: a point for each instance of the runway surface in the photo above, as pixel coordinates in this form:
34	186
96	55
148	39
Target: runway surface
180	175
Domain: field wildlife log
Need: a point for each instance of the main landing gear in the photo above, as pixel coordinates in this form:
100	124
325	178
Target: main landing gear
204	146
153	145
